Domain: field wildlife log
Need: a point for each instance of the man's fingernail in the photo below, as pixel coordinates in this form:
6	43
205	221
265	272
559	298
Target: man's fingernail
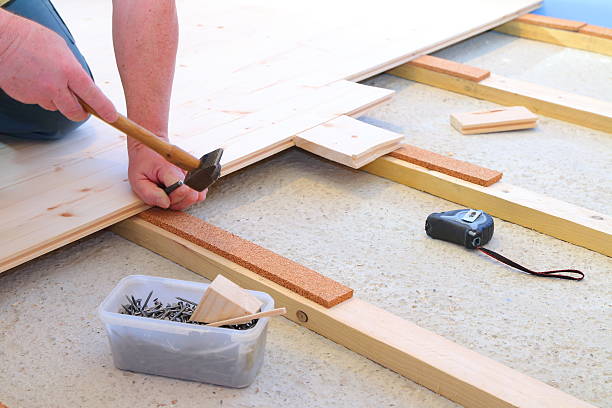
163	202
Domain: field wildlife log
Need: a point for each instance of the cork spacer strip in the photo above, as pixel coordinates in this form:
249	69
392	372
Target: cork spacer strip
451	68
278	269
447	165
597	31
551	22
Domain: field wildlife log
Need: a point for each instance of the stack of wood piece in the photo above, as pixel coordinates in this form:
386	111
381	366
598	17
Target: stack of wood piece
494	120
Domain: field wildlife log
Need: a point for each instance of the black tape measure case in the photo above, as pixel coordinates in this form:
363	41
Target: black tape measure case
473	229
470	228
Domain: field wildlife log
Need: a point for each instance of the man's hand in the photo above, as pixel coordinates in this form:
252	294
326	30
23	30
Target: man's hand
148	169
145	35
37	67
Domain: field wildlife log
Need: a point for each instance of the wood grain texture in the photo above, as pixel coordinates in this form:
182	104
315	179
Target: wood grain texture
236	86
224	300
585	39
581	110
451	68
348	141
446	368
494	120
552	22
549	216
283	271
447	165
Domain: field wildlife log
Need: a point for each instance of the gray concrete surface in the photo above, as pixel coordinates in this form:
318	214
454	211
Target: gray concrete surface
366	232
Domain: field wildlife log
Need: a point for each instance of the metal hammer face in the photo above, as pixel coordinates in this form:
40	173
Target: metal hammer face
207	173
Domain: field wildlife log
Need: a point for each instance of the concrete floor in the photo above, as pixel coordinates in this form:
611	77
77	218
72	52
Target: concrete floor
366	232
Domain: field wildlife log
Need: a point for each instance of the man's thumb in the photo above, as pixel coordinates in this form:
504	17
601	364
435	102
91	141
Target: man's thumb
151	194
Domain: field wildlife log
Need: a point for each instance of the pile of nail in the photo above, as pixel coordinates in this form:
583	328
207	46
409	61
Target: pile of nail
180	311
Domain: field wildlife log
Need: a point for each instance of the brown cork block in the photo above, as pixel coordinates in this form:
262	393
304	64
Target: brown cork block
447	165
597	31
551	22
451	68
263	262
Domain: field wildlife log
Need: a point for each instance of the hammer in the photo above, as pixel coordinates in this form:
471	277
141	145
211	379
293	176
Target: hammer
201	174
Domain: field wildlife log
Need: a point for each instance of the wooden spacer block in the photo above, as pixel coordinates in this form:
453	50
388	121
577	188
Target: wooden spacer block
494	120
223	300
451	68
447	165
552	22
263	262
603	32
348	141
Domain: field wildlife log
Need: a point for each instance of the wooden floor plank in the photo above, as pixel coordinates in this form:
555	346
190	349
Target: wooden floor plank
237	85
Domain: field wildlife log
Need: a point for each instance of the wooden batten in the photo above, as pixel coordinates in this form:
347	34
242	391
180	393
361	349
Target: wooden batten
586	37
603	32
451	68
549	216
551	22
447	165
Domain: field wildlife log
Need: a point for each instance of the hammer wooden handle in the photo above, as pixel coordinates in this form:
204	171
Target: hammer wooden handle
170	152
248	318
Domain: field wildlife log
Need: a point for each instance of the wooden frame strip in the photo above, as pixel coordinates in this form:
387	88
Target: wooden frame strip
553	217
451	68
552	22
447	165
447	368
577	109
588	38
603	32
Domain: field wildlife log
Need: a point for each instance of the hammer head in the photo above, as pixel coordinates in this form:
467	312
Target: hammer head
207	173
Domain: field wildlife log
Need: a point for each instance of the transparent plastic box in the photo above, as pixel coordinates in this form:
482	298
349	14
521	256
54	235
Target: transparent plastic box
212	355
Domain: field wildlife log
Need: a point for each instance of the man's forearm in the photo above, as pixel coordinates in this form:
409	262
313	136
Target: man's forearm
145	35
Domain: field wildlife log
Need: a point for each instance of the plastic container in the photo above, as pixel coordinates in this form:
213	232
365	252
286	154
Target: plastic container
213	355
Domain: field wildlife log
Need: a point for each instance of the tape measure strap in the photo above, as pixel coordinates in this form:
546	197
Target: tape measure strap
559	273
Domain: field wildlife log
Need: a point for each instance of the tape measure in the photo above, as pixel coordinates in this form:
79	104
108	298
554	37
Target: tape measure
473	229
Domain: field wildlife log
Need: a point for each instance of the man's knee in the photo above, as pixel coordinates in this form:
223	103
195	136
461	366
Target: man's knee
31	121
51	126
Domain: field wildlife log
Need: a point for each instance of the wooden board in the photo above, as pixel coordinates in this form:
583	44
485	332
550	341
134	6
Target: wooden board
581	110
251	74
446	368
494	120
348	141
585	39
549	216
